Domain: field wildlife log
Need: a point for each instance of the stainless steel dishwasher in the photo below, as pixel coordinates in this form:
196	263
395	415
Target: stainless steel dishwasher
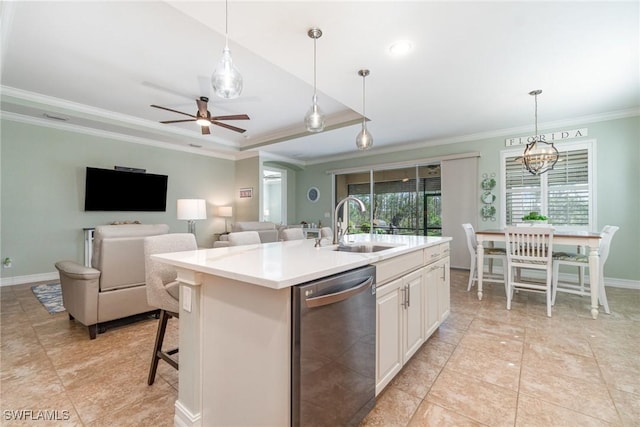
334	349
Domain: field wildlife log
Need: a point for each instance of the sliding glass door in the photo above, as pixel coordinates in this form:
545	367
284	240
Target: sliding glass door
400	201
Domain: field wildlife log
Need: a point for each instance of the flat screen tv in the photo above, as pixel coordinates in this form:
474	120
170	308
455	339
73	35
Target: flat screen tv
117	190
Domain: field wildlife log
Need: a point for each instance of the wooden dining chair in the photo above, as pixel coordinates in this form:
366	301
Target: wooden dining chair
582	261
529	248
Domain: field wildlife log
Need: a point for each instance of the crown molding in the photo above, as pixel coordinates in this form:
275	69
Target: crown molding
112	135
594	118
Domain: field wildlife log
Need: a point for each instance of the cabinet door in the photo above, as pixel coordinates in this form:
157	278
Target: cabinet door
444	303
431	307
413	336
389	314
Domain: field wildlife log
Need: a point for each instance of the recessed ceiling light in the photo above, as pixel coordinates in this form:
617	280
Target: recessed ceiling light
401	47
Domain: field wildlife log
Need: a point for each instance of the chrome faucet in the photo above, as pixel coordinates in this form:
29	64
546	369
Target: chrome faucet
338	233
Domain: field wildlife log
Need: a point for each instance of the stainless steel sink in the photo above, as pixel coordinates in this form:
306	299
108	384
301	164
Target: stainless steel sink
362	248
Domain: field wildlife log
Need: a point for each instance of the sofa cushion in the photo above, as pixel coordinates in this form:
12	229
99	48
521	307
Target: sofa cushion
268	231
253	226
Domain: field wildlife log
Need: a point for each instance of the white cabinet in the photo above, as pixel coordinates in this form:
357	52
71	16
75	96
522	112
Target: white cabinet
400	324
389	318
413	305
432	312
412	300
437	304
444	296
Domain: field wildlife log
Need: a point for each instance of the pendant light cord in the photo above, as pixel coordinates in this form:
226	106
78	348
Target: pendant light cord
364	117
315	91
536	115
226	23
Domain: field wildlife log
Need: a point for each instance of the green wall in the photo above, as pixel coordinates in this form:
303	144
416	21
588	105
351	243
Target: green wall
617	176
42	185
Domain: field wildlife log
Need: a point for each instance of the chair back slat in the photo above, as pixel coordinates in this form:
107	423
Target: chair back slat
529	244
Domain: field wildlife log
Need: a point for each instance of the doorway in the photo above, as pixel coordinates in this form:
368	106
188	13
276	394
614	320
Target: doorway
274	191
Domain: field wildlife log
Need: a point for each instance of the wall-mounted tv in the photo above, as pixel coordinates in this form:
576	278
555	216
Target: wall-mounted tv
118	190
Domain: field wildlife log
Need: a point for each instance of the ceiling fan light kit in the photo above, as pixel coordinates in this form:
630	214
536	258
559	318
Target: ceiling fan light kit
314	119
364	140
539	156
226	80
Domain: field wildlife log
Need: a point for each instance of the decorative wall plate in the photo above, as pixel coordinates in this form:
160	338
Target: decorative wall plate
488	211
487	197
313	194
488	183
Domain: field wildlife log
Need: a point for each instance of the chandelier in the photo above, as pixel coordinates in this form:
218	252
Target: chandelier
539	156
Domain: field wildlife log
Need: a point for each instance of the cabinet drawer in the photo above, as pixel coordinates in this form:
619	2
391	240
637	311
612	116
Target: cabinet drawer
398	266
434	253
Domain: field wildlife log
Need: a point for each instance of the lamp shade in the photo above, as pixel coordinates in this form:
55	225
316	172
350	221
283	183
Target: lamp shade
191	209
225	211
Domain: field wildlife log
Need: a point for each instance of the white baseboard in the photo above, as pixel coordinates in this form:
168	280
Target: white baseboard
184	418
610	282
31	278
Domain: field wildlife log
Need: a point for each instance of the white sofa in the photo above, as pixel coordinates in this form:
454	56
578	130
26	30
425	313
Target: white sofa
114	286
268	231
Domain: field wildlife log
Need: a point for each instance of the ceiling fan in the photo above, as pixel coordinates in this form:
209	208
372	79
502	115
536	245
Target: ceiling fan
204	119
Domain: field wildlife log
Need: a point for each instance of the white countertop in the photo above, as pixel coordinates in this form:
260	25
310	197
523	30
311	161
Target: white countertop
283	264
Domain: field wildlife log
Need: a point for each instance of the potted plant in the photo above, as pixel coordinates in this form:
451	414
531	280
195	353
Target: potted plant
534	218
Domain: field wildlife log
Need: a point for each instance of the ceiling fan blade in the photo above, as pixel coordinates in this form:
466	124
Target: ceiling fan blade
205	130
232	117
202	106
224	125
173	111
178	121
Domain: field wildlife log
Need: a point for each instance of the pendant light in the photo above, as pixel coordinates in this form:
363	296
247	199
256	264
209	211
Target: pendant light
226	79
314	119
539	156
364	140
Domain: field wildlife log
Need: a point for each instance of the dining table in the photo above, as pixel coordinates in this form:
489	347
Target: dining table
586	239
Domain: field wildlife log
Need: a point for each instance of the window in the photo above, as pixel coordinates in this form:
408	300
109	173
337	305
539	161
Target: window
564	194
403	200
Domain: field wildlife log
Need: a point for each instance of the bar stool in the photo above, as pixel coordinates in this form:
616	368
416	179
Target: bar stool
163	290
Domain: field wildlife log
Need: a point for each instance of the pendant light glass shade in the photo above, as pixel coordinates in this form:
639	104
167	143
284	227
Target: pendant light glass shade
364	140
226	79
539	156
314	119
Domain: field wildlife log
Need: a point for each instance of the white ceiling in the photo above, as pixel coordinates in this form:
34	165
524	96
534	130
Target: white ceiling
101	65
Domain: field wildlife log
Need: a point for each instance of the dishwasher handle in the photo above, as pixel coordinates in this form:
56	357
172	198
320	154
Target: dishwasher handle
338	296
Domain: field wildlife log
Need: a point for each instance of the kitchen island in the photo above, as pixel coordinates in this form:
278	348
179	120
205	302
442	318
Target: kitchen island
235	318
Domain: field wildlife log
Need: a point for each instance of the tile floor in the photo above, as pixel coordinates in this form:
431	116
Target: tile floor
485	366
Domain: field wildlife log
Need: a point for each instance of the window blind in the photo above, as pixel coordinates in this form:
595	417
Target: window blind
562	194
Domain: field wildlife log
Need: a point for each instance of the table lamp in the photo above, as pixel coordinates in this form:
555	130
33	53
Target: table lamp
191	210
225	212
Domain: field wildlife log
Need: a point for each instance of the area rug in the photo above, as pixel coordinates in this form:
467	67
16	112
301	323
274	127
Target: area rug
50	296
